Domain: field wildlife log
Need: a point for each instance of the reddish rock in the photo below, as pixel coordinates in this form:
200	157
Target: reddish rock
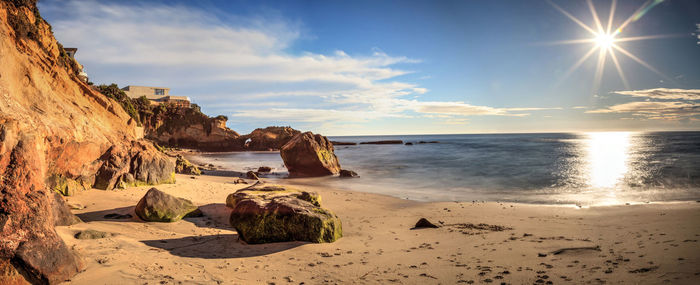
189	128
309	155
54	130
138	163
270	138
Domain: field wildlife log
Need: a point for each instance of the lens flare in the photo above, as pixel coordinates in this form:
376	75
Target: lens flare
606	41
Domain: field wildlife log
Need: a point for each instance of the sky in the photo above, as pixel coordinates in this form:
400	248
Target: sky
402	67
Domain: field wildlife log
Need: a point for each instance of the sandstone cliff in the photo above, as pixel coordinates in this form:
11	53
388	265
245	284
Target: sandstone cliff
270	138
189	128
55	133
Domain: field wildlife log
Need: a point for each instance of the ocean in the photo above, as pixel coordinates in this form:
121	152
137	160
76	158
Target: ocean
585	169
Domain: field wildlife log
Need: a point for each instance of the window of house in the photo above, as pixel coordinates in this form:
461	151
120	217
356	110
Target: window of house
160	91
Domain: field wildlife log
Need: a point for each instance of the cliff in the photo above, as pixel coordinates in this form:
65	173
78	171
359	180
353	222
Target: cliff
189	128
56	135
270	138
183	127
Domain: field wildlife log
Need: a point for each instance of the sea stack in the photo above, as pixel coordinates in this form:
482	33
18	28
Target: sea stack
310	155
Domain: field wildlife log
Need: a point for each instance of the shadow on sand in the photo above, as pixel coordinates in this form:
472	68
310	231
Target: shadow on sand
218	246
209	247
215	216
123	214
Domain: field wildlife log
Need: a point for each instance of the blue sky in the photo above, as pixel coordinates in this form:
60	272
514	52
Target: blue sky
398	67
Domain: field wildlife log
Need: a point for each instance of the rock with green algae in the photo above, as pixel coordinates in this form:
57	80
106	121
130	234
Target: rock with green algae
157	206
272	213
184	166
91	234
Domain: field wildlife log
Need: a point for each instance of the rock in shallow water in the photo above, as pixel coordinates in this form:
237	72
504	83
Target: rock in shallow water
157	206
309	155
184	166
348	173
270	213
252	175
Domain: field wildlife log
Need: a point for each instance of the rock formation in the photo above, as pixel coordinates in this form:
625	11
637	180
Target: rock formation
308	155
270	213
157	206
189	128
136	164
270	138
184	166
54	133
384	142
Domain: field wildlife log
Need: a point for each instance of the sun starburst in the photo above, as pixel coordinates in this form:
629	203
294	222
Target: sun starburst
606	41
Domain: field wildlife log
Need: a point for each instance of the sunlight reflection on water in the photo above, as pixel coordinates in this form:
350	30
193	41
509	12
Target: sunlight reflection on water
599	168
607	161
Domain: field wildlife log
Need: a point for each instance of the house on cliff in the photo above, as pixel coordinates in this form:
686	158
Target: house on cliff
71	53
157	95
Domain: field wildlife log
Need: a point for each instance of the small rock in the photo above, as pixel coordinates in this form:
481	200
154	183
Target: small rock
409	143
344	173
91	234
264	169
424	223
542	254
252	175
239	181
76	206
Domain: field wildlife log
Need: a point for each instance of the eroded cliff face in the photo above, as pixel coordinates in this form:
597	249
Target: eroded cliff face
55	132
188	128
270	138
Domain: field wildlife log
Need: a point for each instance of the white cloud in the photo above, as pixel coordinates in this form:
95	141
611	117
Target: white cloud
664	93
654	110
248	60
657	104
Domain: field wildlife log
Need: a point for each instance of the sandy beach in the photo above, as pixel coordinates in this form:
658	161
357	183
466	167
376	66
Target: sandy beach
476	243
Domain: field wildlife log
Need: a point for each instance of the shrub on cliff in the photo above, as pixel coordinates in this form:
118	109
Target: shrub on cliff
113	91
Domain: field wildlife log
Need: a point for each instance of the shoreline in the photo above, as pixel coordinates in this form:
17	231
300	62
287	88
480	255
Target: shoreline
308	182
476	242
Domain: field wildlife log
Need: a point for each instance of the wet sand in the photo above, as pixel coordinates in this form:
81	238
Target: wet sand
476	243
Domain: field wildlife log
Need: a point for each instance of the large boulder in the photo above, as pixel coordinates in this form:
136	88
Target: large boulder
157	206
310	155
270	213
139	163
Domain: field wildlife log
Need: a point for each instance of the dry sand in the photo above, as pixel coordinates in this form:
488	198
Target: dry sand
651	243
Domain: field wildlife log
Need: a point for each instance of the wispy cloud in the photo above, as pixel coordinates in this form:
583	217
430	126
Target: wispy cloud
245	64
660	103
664	93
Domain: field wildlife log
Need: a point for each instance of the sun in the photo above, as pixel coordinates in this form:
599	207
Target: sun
606	41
